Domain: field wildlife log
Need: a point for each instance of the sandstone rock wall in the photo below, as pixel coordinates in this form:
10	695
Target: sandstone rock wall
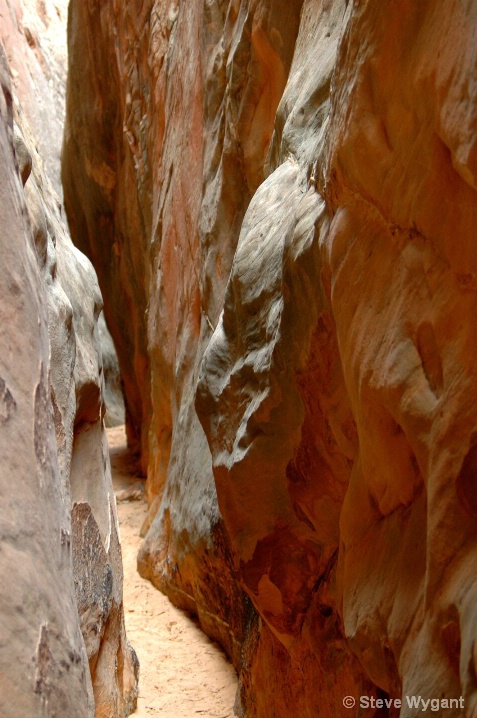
357	423
112	210
271	377
399	178
63	645
167	201
113	388
43	663
280	202
34	37
33	34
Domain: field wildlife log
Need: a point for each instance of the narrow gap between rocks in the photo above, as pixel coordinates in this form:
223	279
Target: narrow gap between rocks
182	673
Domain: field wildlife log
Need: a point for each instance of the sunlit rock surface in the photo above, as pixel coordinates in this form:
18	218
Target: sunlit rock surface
279	199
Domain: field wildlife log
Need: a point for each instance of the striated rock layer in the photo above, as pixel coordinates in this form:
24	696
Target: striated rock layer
63	647
280	200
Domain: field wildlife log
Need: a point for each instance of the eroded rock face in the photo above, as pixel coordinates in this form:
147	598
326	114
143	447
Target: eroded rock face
51	343
401	189
76	399
108	208
356	425
42	656
320	156
270	376
122	180
34	36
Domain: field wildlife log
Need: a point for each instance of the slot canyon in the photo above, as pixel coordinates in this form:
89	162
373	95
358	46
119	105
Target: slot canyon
238	280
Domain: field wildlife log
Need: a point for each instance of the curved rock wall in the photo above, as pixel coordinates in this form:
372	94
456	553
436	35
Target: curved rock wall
287	191
63	647
42	655
399	178
167	200
115	200
271	379
34	37
75	402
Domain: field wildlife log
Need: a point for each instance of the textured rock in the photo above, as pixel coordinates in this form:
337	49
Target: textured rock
74	305
75	400
323	155
113	393
270	376
34	37
74	459
400	176
94	154
122	180
395	166
43	663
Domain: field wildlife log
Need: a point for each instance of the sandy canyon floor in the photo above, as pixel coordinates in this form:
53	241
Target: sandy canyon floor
183	674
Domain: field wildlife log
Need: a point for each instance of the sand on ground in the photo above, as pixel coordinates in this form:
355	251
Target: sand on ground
183	674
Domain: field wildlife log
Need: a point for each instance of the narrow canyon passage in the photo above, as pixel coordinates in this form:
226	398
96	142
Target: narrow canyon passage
182	673
246	229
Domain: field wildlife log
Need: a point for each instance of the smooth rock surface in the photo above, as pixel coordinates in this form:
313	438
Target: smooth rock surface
43	665
270	375
280	203
122	179
376	458
400	184
69	399
113	392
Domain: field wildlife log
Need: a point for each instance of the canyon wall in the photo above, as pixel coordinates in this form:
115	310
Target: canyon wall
63	647
280	201
399	178
157	207
42	654
34	38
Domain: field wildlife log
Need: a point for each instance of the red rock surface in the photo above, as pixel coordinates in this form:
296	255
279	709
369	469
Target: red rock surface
400	176
123	179
334	369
